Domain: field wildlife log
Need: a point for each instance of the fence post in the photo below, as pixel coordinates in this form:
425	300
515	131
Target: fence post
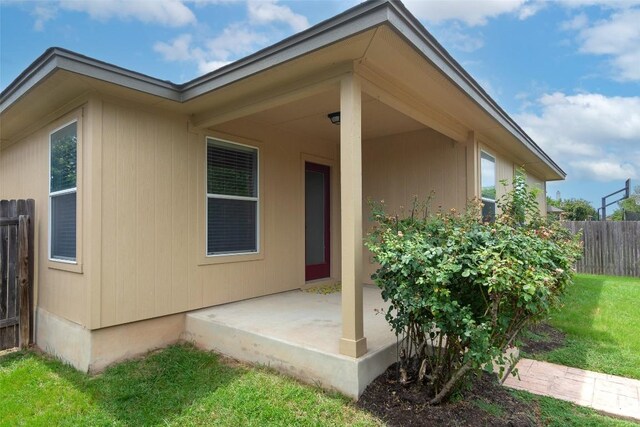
23	280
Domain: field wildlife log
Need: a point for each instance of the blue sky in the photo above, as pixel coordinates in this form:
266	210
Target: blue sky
568	71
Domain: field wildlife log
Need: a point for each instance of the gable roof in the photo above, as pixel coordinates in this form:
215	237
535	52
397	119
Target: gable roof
363	17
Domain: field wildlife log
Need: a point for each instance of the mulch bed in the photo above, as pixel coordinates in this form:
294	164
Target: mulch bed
483	402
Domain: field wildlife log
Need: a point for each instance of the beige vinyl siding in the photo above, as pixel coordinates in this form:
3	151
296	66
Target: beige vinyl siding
399	167
535	182
504	172
153	200
143	208
139	198
25	165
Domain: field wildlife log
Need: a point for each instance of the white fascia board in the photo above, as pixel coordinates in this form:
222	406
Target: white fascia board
33	75
61	59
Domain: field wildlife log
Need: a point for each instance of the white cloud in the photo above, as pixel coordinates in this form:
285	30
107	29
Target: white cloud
171	13
43	13
471	12
578	22
617	37
604	169
596	136
264	20
530	8
236	40
233	42
269	11
179	49
611	4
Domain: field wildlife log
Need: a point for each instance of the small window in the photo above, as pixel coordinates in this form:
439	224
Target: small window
62	192
488	180
232	198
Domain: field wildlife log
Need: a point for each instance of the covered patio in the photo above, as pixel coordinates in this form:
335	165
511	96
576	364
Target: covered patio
298	332
393	141
392	117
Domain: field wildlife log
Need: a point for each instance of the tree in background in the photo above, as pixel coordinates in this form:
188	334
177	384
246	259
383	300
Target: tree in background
630	205
553	202
575	209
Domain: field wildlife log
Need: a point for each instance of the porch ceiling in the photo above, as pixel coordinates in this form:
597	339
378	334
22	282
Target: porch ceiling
309	116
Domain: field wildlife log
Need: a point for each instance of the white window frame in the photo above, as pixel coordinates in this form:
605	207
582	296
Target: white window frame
256	199
495	179
73	261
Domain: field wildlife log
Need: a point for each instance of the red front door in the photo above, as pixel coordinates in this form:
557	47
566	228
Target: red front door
316	221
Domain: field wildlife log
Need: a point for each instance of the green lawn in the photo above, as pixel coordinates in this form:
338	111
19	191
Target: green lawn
185	386
558	413
601	318
177	386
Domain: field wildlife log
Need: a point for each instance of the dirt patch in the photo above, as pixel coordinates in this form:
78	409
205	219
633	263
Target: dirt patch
541	338
483	402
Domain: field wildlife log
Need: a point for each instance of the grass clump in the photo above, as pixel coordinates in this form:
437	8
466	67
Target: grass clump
491	408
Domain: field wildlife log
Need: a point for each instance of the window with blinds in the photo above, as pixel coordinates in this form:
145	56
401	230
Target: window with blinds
63	157
232	198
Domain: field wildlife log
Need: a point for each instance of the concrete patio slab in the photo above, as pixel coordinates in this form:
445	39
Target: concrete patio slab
611	394
298	333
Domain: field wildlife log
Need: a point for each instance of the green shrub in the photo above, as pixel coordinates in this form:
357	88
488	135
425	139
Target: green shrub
461	289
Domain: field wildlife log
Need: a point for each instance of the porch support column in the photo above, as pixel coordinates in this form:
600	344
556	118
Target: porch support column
353	343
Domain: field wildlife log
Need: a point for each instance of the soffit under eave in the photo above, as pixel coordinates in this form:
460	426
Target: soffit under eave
58	89
398	61
57	92
309	69
368	48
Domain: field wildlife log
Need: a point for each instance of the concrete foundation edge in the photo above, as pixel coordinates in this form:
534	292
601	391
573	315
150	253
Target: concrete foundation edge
63	339
345	374
94	350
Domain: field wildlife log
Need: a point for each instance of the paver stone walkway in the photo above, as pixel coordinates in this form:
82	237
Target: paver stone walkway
614	395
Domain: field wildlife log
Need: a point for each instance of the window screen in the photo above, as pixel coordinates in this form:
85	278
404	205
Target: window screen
63	230
232	198
62	192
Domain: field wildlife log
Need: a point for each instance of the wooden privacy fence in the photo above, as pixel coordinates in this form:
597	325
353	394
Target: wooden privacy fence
610	247
16	272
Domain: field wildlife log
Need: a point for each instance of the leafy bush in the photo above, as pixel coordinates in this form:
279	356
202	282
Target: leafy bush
461	289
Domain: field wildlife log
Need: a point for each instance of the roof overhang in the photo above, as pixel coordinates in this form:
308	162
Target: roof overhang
331	37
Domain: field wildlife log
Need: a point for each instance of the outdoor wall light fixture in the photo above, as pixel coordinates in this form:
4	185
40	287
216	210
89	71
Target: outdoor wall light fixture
334	117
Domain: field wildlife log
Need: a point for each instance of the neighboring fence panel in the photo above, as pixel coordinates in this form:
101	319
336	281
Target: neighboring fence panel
16	272
610	247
